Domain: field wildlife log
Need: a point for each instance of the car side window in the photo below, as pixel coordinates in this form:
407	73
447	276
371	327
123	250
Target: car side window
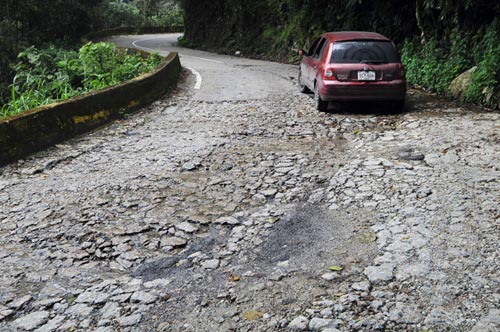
320	49
313	47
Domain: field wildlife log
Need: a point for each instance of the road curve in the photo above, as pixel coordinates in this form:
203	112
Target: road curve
224	77
233	205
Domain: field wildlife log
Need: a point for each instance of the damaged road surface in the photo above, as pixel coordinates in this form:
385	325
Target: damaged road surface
238	207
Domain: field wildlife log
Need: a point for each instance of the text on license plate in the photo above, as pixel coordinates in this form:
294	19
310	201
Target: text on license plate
366	75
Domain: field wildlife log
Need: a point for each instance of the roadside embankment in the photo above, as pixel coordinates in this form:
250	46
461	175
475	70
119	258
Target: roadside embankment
44	126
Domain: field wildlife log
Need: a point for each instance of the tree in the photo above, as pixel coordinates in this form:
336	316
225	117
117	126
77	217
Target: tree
33	22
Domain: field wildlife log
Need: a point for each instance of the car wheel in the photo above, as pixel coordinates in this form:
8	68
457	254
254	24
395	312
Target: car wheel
302	87
321	105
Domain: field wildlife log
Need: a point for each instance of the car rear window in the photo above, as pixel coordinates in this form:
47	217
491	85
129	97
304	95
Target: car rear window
364	51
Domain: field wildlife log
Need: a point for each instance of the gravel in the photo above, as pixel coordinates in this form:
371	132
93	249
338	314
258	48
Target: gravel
191	213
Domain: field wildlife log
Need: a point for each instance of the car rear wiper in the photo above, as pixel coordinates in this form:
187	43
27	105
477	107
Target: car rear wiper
373	61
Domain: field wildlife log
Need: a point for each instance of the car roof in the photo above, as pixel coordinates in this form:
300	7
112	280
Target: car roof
353	35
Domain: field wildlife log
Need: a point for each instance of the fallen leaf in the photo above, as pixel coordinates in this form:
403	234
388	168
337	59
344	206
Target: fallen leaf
234	278
354	260
335	268
272	220
253	315
251	109
367	237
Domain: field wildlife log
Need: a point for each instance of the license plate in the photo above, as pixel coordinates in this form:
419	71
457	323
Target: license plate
366	76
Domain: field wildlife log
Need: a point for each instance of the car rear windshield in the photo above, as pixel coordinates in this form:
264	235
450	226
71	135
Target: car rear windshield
364	51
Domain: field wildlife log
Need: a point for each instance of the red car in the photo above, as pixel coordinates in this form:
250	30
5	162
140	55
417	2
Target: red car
353	66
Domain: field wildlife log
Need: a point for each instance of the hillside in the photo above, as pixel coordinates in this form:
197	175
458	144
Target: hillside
439	39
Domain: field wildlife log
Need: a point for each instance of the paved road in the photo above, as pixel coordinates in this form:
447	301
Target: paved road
232	205
222	77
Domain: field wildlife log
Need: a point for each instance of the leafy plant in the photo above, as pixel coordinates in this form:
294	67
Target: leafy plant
159	13
181	41
118	13
434	68
46	75
485	81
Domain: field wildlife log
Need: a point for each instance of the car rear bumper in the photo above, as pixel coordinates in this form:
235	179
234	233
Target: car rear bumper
363	91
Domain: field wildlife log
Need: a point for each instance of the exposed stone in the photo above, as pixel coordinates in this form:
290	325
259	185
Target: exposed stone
79	310
318	324
131	320
461	83
111	310
143	297
227	220
32	321
383	272
186	227
361	286
52	325
173	241
19	302
210	264
298	324
330	276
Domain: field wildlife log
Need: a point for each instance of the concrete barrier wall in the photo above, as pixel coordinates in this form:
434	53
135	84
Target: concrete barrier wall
39	128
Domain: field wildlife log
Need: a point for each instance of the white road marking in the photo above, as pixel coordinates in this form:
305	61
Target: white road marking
134	43
205	59
197	86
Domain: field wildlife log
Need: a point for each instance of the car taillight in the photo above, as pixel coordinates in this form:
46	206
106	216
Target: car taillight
329	74
401	71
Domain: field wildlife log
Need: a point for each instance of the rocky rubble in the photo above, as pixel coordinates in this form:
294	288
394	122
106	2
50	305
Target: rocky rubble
258	215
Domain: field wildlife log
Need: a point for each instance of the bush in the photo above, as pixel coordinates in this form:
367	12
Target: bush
433	67
46	75
119	14
167	16
39	79
485	86
136	14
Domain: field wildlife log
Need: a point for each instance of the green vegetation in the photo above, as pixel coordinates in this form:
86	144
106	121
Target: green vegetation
433	67
136	13
49	74
24	23
485	87
438	39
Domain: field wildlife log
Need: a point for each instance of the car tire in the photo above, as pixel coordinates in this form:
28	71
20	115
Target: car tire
302	87
321	105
